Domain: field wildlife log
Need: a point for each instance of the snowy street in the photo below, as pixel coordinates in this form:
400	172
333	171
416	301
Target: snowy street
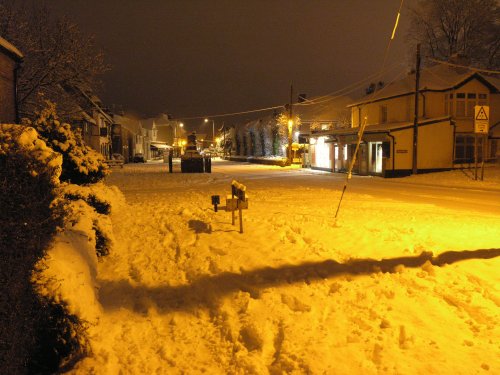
405	282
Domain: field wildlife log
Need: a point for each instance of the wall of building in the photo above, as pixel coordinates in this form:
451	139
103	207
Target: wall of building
399	109
403	150
435	146
495	113
7	90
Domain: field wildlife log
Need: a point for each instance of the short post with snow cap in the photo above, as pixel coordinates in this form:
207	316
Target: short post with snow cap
238	200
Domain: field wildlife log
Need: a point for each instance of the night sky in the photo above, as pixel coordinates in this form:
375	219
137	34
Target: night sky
202	57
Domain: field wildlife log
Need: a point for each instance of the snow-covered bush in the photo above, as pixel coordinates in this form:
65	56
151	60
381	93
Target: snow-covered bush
29	218
50	237
100	199
81	164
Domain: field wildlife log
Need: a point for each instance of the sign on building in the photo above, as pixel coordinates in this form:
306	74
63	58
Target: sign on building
481	119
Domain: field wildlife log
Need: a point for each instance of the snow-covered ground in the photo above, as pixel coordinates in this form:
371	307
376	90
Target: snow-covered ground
405	282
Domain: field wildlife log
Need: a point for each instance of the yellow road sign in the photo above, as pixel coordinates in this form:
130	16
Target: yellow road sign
481	119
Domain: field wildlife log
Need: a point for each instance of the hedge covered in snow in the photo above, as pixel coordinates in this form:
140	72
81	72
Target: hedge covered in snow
51	235
80	164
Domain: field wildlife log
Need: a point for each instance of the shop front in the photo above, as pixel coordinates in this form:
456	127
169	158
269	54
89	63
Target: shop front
385	150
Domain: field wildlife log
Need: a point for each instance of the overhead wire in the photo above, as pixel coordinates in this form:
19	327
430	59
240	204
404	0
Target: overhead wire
322	105
465	66
324	98
363	125
231	113
327	97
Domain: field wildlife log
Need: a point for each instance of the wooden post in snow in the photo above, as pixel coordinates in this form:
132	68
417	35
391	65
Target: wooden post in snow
415	119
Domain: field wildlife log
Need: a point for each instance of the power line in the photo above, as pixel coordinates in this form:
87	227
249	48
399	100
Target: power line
464	66
356	84
352	87
362	125
322	99
232	113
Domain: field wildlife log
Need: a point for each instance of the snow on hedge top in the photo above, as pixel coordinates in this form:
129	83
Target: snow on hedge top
18	138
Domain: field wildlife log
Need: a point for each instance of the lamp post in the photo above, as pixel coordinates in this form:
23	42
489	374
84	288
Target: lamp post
213	128
290	129
176	139
181	125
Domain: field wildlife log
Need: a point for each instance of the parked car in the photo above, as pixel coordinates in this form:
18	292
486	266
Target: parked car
117	157
138	158
117	160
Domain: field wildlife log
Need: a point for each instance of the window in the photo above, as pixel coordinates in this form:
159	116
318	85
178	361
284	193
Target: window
464	148
383	114
464	103
386	149
494	147
483	99
471	102
460	111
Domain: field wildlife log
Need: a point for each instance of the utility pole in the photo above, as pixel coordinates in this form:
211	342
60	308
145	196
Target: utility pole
224	135
290	125
415	119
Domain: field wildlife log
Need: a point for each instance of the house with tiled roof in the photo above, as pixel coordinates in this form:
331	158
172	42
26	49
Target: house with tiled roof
445	125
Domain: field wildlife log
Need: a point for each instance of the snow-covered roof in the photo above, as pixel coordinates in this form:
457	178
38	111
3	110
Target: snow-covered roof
131	124
84	116
324	108
11	49
435	78
149	123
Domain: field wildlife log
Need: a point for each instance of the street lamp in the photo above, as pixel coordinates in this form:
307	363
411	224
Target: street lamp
181	126
290	128
176	139
213	128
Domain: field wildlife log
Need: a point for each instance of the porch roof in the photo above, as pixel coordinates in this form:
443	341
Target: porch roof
379	128
160	145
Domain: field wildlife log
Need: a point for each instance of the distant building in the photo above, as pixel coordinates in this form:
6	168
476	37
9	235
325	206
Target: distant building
10	57
93	120
127	136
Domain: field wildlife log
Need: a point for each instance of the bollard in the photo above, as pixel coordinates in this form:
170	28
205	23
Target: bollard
208	164
170	163
215	201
